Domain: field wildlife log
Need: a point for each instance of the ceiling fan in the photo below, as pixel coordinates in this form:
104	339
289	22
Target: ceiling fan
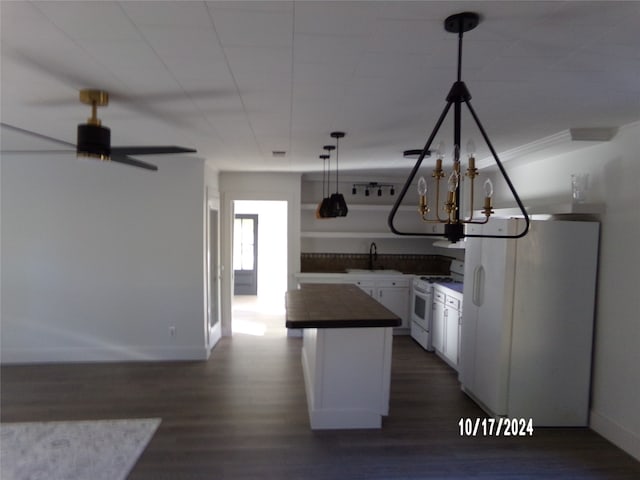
94	139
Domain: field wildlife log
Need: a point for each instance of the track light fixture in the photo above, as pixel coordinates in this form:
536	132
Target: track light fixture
373	186
448	213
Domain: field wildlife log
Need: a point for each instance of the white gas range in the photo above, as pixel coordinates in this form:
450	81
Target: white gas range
422	301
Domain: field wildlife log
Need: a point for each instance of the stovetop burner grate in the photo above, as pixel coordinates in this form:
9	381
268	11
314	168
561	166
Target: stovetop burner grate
439	280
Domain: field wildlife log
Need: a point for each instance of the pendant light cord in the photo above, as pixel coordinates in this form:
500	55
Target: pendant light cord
324	175
337	155
460	51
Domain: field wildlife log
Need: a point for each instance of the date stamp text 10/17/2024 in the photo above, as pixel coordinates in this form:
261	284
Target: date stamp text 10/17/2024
495	427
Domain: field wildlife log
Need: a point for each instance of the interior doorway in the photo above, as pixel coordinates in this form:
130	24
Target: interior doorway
263	312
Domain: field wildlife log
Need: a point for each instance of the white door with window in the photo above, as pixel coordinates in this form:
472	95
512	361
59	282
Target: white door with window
245	254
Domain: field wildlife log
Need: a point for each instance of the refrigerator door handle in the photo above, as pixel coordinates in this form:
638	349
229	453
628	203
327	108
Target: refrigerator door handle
478	286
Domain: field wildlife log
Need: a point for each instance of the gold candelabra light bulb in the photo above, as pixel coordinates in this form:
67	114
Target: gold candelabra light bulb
423	207
488	195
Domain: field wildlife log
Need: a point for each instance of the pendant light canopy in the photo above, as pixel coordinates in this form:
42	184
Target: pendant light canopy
338	205
453	224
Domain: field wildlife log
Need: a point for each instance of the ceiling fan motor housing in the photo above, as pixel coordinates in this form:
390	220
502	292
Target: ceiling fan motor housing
94	141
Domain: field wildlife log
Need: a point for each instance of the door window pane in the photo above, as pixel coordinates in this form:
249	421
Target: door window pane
243	244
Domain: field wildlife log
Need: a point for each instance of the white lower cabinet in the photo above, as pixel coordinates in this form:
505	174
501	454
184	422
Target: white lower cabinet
393	293
446	324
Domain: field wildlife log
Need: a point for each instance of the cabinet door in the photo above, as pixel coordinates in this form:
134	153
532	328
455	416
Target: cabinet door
396	299
451	335
437	327
366	286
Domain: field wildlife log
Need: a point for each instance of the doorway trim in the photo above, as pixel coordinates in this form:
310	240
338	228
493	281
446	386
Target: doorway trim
213	277
256	186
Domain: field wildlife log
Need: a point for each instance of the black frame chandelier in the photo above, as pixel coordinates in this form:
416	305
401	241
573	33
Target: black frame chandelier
450	214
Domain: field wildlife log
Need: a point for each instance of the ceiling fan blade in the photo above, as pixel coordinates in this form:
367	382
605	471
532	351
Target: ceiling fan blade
132	161
36	135
38	152
150	150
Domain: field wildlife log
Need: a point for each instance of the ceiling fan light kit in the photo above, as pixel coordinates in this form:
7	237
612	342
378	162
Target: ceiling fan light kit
449	208
94	140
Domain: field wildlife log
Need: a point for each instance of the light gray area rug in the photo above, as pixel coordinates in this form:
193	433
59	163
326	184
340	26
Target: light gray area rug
85	450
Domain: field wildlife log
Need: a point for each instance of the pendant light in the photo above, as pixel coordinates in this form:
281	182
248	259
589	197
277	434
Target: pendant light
321	205
453	224
325	205
338	205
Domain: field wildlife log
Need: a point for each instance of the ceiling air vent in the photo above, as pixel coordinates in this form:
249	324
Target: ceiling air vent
278	153
602	134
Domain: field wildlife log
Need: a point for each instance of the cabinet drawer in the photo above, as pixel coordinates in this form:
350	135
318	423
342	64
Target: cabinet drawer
438	296
399	282
365	283
420	335
453	302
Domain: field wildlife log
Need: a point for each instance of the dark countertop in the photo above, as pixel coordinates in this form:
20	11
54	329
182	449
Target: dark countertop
335	305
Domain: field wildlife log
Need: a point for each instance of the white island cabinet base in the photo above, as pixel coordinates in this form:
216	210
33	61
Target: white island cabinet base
347	374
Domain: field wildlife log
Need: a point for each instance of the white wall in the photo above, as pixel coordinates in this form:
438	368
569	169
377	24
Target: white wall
99	260
614	168
257	186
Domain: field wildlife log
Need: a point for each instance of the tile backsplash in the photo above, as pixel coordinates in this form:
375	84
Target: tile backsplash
406	263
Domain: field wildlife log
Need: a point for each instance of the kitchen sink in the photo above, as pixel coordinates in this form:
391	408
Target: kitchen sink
376	271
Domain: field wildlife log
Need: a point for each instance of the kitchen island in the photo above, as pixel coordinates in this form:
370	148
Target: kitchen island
346	354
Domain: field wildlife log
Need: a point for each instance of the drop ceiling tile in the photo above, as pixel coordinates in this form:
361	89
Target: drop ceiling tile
390	65
214	77
176	41
245	29
15	15
260	69
335	18
417	36
312	116
90	20
322	74
269	6
109	54
167	13
327	49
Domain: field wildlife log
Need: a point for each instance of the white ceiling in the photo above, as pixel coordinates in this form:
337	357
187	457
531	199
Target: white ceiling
237	80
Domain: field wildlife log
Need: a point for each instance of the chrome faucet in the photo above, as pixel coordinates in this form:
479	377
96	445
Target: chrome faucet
373	254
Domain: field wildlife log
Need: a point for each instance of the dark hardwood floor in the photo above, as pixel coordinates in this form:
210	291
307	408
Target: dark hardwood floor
243	415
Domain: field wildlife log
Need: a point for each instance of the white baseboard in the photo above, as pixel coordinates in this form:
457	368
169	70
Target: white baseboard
112	354
617	434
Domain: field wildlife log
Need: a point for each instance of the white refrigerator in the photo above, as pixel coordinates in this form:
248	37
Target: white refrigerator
527	321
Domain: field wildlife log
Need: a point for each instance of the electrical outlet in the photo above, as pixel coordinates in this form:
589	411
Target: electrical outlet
172	331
